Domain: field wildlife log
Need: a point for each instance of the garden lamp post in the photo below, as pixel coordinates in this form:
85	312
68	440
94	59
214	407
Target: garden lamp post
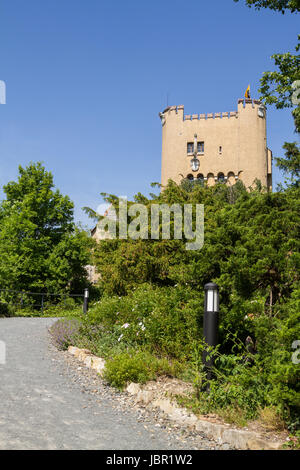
210	323
85	301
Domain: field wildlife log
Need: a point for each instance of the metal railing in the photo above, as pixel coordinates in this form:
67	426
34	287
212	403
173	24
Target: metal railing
41	300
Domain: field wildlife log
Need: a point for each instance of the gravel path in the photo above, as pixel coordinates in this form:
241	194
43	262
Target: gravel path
48	400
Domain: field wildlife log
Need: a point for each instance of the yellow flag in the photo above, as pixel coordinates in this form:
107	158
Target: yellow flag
247	92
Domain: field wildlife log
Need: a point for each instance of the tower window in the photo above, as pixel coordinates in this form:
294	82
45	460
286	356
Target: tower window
190	147
221	178
200	147
200	179
220	149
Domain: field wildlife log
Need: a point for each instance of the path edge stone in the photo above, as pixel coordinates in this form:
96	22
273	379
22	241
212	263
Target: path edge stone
237	438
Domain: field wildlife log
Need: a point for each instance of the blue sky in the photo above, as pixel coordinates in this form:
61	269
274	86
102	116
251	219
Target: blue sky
86	80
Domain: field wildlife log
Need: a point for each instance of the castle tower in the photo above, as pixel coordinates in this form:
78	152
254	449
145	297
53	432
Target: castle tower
223	147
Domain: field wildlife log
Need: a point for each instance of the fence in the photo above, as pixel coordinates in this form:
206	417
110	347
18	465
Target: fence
42	300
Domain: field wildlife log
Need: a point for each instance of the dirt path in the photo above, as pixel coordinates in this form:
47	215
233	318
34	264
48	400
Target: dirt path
48	402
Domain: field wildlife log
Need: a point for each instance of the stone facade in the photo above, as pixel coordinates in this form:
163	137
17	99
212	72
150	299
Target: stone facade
229	146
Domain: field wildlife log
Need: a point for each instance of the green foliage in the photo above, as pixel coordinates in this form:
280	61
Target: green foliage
165	320
132	366
275	336
277	87
153	296
246	383
277	5
64	333
251	250
41	250
291	163
125	368
103	341
6	310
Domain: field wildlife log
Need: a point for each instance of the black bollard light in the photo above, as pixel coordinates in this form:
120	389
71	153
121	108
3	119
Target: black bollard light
210	324
85	301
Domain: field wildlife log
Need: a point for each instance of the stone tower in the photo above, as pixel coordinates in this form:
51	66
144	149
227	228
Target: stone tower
223	147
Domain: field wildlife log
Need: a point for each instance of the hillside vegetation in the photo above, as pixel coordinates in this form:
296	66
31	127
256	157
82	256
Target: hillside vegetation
149	319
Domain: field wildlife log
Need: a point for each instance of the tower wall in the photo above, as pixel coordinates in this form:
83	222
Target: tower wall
240	135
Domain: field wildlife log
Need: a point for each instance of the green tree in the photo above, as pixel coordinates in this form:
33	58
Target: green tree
278	5
40	247
251	250
282	87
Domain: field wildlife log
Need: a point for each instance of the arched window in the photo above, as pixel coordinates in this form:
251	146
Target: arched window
200	179
190	177
221	178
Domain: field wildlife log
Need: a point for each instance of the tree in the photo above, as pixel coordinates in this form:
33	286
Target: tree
278	5
40	247
251	251
282	87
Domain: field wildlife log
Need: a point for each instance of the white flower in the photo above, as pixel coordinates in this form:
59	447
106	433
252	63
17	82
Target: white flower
126	325
120	337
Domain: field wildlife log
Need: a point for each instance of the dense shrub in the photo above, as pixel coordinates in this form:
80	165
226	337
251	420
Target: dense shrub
132	366
64	333
163	319
153	298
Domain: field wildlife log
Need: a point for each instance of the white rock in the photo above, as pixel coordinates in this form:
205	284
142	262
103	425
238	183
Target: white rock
98	364
72	350
133	388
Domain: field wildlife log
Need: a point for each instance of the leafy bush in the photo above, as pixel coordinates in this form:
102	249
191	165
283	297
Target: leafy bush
166	320
64	333
275	336
6	310
135	366
99	340
153	299
125	368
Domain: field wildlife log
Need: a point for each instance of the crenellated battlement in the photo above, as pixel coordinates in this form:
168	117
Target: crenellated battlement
192	117
221	115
